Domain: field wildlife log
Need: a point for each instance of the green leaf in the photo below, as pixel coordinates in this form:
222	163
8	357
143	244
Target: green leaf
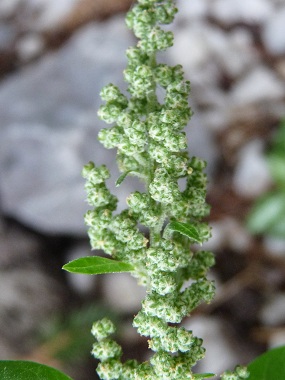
279	140
269	366
96	265
268	214
25	370
122	177
201	376
185	229
276	164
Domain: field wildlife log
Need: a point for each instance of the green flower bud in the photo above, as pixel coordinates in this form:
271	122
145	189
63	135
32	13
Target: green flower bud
94	174
100	196
149	325
109	370
110	137
163	189
102	329
111	93
110	112
163	283
106	349
165	13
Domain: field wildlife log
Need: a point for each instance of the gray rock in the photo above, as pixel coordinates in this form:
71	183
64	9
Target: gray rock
273	33
28	298
220	355
49	127
8	7
252	176
251	11
259	85
273	312
7	36
189	10
29	47
275	246
122	292
37	15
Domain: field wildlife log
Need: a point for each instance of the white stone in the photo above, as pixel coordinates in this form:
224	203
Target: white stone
259	85
228	233
49	129
8	7
8	34
189	10
273	312
277	339
219	353
50	12
249	11
28	297
122	292
29	46
273	33
191	48
237	55
218	238
252	176
275	246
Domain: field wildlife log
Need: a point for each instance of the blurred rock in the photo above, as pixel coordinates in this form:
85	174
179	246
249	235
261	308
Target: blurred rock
277	339
28	297
275	246
8	7
7	36
273	312
273	34
220	355
29	47
18	248
232	11
228	233
48	113
259	85
121	292
252	176
189	10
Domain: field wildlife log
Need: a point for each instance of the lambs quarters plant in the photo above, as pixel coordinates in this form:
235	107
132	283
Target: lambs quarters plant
151	145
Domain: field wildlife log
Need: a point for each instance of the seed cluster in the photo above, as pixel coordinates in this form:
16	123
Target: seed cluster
151	144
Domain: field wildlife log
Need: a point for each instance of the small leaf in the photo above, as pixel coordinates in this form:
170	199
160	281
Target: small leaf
269	366
122	177
185	229
25	370
267	214
201	376
97	265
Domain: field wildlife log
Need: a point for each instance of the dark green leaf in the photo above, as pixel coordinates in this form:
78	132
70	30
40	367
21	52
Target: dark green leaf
269	366
267	213
97	265
185	229
25	370
279	140
122	177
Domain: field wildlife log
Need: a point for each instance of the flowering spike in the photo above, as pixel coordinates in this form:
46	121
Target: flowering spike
151	144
